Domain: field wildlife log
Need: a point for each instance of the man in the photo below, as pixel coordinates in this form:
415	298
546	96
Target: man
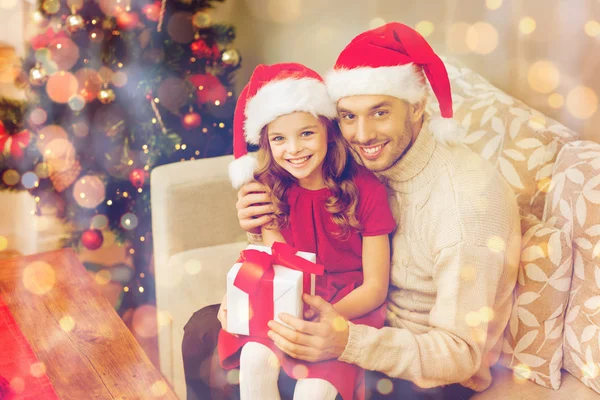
455	251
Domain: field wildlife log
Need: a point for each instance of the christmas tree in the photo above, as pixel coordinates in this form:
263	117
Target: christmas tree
116	88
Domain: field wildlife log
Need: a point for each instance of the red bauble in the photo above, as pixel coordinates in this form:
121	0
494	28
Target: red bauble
92	239
201	50
137	177
127	20
152	11
191	120
209	89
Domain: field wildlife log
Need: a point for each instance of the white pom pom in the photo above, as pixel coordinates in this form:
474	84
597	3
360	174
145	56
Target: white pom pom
446	131
241	170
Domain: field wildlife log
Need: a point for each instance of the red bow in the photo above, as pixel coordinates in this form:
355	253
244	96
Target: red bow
44	39
256	274
13	145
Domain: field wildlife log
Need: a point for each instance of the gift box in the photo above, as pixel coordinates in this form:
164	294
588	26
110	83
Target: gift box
265	282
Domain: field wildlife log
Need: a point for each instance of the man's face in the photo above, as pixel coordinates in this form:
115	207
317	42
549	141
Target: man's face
378	127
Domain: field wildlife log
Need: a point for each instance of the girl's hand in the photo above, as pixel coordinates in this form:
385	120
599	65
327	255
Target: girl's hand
254	207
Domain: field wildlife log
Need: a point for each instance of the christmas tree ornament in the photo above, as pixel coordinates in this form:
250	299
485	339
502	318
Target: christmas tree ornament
51	6
61	180
191	120
92	239
137	177
74	23
37	76
152	11
201	50
89	191
208	89
231	57
127	20
201	20
106	96
13	145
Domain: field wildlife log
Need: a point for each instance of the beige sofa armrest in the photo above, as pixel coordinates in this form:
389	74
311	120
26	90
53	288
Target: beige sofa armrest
193	206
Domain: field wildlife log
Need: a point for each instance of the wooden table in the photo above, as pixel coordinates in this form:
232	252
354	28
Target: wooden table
93	355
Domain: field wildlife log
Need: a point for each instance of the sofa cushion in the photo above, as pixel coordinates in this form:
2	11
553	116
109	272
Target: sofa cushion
508	386
533	339
521	142
574	202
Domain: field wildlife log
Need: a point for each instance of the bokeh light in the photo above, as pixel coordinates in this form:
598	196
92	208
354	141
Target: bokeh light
39	277
60	155
76	102
582	102
527	25
180	27
80	129
556	100
385	386
75	4
340	324
159	388
38	116
233	377
521	373
482	38
17	384
51	6
144	321
67	323
103	277
64	52
61	86
90	83
99	221
42	55
376	23
496	244
42	170
105	74
89	191
114	7
493	4
543	76
425	28
173	93
164	318
3	243
592	28
37	369
119	79
486	314
299	371
11	177
456	39
29	180
473	319
129	221
193	266
284	11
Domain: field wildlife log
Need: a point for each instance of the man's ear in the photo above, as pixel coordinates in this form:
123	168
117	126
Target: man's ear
418	109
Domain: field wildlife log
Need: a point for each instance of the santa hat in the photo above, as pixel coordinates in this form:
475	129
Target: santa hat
391	60
273	91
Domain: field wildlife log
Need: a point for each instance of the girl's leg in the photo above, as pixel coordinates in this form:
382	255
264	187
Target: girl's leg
259	371
314	389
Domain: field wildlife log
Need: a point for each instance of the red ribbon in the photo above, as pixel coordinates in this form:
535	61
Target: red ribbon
13	145
255	277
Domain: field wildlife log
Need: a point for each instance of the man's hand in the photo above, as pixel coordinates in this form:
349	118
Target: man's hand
254	206
312	341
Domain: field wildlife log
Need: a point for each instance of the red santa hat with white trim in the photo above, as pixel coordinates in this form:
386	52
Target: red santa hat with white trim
391	60
273	91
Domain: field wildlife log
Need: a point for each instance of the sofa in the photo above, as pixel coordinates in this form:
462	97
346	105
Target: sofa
552	344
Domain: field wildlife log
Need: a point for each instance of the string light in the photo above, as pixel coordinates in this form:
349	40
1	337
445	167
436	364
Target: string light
183	146
126	289
141	289
142	275
109	202
125	194
142	238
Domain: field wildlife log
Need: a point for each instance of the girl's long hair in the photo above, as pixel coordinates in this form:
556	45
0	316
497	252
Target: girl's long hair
339	168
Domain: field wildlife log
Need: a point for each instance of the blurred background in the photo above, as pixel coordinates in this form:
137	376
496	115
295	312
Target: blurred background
96	93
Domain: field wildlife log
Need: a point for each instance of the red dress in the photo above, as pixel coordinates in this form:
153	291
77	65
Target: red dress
311	230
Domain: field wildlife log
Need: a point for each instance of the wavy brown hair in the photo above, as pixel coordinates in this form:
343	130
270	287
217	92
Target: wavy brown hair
339	168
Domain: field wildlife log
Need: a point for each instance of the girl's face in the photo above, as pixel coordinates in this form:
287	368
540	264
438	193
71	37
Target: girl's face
298	143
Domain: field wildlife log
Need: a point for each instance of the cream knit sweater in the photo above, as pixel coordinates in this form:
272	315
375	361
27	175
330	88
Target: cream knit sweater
454	265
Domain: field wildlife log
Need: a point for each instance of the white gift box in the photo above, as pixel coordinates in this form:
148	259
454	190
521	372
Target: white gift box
287	293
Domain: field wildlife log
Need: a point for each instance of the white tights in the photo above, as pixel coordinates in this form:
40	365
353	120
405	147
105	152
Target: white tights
259	371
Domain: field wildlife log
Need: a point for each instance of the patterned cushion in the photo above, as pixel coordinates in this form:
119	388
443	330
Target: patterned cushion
574	201
533	339
521	142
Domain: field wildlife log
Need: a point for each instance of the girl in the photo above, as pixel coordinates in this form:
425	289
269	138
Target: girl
325	204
